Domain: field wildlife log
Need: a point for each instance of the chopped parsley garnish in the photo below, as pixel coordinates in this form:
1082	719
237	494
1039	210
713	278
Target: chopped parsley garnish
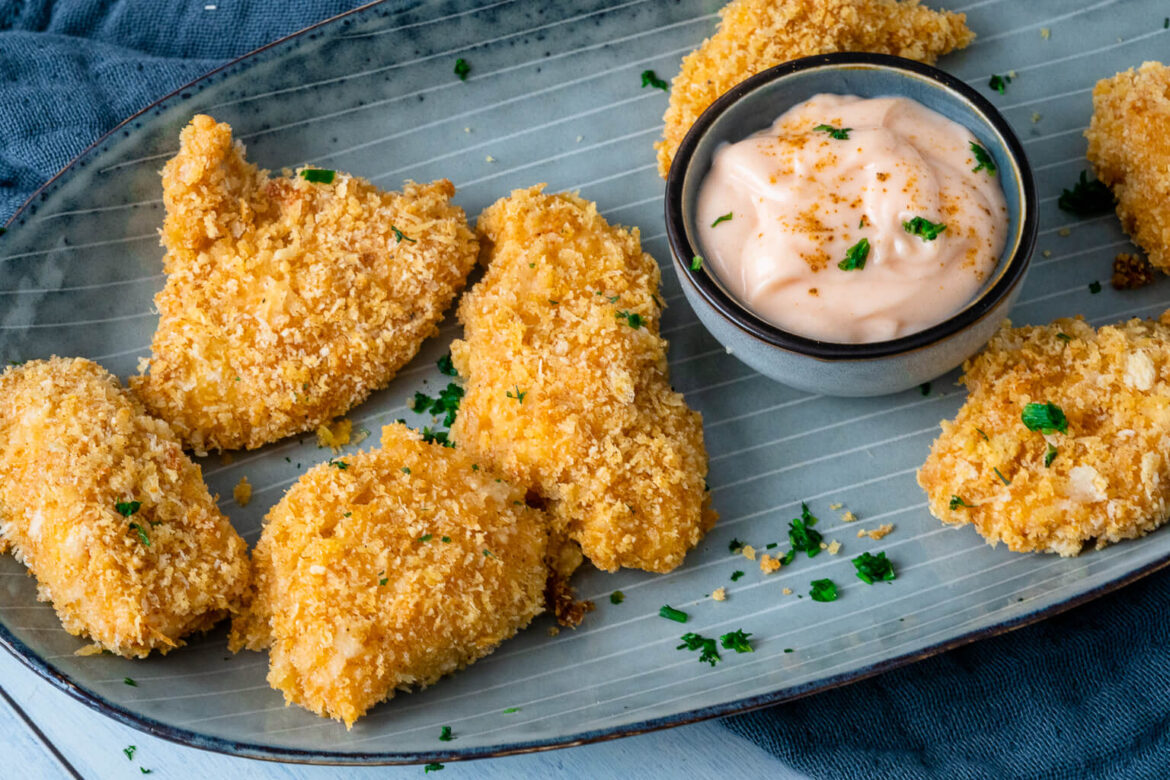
855	256
400	236
1094	288
340	465
434	766
923	228
445	734
693	641
1050	455
983	157
1086	198
802	536
736	640
999	83
145	771
837	133
823	590
446	367
617	597
436	437
650	79
462	69
510	710
871	568
518	395
446	403
735	575
670	613
406	469
318	175
957	501
129	751
127	508
734	546
142	537
1004	479
1046	418
130	681
788	558
981	433
723	218
924	388
445	539
633	319
1064	337
696	262
488	554
425	538
382	580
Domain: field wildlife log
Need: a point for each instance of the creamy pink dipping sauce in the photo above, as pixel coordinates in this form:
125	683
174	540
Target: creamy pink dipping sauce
802	200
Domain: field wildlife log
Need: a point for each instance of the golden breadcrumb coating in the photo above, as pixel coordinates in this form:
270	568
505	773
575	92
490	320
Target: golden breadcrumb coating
73	446
567	389
755	35
287	302
1130	151
403	566
1110	477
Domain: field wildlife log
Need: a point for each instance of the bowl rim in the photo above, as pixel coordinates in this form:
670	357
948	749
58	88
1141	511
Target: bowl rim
745	320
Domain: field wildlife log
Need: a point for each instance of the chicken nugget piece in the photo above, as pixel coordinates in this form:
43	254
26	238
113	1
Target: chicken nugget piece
388	569
99	501
567	385
755	35
1106	478
1130	151
289	300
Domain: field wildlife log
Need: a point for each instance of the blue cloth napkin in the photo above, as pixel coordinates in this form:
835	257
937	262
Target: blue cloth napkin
1085	694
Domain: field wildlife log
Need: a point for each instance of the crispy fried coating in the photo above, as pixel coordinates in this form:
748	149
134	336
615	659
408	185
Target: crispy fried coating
74	445
1110	476
1130	150
389	569
755	35
567	386
288	301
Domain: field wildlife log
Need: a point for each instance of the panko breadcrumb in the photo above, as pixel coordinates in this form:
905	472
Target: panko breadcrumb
1130	151
567	389
1109	477
288	301
98	500
755	35
403	566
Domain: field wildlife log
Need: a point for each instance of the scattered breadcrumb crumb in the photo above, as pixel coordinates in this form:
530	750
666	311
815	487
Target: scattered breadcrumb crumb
755	35
361	435
1047	253
768	564
288	301
748	552
876	533
489	158
334	435
834	547
787	591
835	507
1131	272
1130	152
242	492
1109	478
1036	117
91	649
1064	232
1045	33
226	458
848	517
554	630
719	594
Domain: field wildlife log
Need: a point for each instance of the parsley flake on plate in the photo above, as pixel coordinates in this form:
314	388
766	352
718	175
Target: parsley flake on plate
924	388
1086	198
855	256
670	613
734	546
130	681
650	79
802	536
735	575
129	751
723	218
318	175
736	640
823	590
434	766
617	597
983	157
510	710
1046	418
871	568
923	228
1094	288
837	133
445	734
999	83
446	367
462	69
696	262
709	651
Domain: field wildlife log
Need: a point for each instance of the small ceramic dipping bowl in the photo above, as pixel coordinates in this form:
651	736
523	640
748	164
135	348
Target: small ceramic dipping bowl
824	367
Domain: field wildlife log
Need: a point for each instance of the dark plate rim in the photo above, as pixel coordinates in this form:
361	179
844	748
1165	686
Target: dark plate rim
1014	267
62	682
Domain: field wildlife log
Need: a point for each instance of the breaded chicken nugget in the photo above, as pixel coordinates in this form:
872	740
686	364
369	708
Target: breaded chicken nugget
387	569
567	385
99	501
1106	478
1129	146
289	300
755	35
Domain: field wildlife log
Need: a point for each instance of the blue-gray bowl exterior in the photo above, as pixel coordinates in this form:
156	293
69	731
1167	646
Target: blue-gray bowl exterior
849	369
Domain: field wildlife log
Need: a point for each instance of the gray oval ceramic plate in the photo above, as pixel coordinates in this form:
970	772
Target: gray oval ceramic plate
555	95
